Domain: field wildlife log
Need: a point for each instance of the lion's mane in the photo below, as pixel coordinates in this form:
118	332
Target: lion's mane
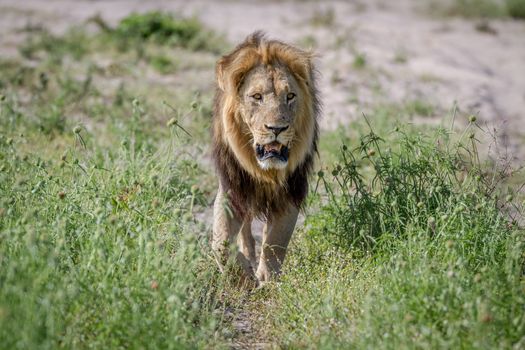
250	189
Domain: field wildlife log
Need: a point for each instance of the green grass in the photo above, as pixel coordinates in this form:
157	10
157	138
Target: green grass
480	8
73	43
99	195
359	60
162	64
410	249
97	248
516	8
419	107
410	240
164	29
147	37
99	245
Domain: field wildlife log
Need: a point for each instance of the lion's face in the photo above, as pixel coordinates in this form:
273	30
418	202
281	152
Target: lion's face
266	109
269	98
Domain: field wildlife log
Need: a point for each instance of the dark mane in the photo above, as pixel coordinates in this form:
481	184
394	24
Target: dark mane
248	195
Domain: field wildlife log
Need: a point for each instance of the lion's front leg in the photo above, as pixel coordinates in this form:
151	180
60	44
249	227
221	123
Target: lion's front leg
276	236
247	242
226	226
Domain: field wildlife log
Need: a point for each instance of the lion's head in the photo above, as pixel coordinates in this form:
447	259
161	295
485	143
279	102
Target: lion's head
266	110
269	101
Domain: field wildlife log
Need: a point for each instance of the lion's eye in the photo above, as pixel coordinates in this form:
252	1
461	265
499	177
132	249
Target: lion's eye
257	96
290	96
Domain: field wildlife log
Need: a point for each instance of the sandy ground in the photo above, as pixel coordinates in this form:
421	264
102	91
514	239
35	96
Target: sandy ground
410	54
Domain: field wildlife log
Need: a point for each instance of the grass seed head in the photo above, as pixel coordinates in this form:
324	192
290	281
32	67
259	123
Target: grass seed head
155	203
171	122
477	278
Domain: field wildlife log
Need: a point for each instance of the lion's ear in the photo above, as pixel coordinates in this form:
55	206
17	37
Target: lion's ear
229	73
232	69
308	67
302	67
220	74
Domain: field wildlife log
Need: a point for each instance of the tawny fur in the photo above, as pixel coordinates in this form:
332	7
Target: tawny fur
246	189
251	189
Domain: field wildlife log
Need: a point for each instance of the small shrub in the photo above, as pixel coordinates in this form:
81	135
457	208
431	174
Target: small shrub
162	64
411	250
418	178
469	8
516	8
419	108
163	28
359	61
73	43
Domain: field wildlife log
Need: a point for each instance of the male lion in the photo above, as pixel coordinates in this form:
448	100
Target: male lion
265	134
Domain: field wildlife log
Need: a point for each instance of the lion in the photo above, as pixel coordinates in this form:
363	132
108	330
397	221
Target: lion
265	135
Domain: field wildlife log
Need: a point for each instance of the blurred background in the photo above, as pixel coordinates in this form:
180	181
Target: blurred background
423	57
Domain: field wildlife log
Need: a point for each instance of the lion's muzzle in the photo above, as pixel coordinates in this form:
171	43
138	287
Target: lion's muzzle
274	150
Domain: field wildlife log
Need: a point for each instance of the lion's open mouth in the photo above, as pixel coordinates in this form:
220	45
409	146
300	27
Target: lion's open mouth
272	150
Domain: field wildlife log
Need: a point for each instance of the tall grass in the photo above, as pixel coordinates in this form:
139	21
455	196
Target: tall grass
410	250
97	244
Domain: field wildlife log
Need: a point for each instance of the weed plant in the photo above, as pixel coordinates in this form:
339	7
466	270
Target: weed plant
96	248
410	250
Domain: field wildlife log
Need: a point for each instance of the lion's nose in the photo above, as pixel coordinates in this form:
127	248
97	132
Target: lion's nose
276	129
